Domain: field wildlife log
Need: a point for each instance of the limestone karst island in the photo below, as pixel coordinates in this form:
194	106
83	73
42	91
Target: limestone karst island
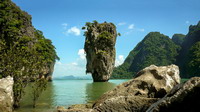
99	56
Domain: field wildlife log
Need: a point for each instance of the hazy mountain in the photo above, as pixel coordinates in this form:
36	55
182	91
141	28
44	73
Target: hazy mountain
71	77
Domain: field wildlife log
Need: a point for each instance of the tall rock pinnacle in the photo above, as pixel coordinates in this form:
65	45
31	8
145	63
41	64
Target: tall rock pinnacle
100	49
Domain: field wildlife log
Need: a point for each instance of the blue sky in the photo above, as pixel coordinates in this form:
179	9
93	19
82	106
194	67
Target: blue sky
61	21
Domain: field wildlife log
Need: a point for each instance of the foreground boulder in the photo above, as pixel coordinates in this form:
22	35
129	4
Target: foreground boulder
138	94
6	94
100	50
151	82
182	98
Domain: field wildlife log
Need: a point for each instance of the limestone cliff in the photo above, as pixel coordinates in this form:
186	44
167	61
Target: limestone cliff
6	94
100	49
25	54
16	27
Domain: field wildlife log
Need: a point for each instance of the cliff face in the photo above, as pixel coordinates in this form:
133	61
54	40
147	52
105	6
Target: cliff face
178	39
25	54
16	28
155	48
100	50
187	55
6	93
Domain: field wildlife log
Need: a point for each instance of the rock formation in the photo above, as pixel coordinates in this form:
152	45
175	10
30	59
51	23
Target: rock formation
184	97
100	50
6	94
187	61
155	48
137	95
25	54
149	84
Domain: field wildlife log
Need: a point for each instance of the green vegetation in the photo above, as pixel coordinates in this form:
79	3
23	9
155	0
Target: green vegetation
104	40
188	56
24	52
178	39
194	60
155	48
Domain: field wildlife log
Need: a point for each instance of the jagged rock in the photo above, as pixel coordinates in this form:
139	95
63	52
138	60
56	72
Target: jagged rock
184	97
100	50
6	94
150	83
76	108
125	104
48	71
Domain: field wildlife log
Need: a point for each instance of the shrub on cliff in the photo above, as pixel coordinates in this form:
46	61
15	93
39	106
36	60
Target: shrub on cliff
24	52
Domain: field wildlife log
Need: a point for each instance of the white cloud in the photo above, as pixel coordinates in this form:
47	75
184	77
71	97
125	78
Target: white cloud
120	24
76	68
58	62
74	63
63	69
119	60
142	30
131	26
74	30
187	22
81	53
64	26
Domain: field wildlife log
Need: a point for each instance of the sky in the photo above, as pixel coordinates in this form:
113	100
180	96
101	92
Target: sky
62	20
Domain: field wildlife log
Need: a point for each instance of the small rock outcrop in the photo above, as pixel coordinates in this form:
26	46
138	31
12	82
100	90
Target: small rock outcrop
184	97
6	94
100	49
150	84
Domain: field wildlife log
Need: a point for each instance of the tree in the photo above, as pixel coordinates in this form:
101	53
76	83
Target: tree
194	60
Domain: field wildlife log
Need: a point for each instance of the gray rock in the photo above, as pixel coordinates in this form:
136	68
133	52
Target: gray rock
138	94
125	104
149	84
76	108
6	94
184	97
100	50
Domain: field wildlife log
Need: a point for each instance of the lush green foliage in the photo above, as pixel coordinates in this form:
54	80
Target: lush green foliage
178	39
160	50
155	48
24	52
105	38
194	60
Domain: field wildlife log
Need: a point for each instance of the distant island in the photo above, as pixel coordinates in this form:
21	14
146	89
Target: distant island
71	77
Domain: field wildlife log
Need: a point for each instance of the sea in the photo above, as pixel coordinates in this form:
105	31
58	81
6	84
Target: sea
66	93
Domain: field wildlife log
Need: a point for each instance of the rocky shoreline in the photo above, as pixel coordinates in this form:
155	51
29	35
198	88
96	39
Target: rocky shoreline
154	89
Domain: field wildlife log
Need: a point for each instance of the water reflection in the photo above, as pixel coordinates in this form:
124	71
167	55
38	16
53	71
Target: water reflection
45	101
96	89
65	93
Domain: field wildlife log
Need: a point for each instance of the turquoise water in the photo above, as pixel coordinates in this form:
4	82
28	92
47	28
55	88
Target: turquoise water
65	93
